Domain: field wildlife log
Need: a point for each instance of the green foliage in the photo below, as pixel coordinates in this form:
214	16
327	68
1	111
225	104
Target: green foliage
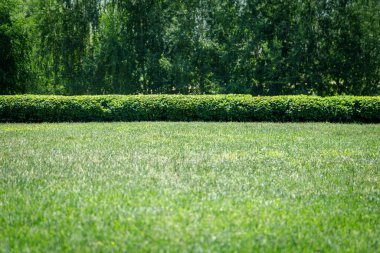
34	108
14	62
256	47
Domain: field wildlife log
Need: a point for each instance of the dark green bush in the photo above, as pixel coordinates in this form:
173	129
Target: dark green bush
33	108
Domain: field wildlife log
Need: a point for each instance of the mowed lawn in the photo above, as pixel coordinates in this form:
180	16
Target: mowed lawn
189	187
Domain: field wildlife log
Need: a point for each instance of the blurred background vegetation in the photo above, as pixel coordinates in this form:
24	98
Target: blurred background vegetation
259	47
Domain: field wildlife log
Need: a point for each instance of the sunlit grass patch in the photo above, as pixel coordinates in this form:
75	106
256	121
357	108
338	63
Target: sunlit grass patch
219	187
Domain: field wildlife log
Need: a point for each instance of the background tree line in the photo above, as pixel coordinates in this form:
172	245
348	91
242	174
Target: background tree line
260	47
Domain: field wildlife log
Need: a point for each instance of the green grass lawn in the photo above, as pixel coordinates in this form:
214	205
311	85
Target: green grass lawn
189	187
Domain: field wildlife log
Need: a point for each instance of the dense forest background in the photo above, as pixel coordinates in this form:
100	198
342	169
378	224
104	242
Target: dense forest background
260	47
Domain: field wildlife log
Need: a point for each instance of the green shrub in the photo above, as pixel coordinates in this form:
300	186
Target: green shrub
36	108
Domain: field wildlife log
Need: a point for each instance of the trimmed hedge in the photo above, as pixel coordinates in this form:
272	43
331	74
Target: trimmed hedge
37	108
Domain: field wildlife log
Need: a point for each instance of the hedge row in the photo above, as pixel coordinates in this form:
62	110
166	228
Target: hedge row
36	108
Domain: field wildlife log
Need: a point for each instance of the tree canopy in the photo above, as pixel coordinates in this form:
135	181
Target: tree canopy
258	47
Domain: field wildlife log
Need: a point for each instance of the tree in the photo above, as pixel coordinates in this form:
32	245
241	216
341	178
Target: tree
13	47
258	47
